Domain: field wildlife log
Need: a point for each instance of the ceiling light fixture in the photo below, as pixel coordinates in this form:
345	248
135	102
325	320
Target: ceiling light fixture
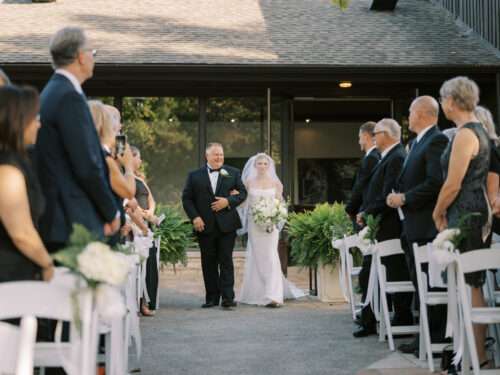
345	84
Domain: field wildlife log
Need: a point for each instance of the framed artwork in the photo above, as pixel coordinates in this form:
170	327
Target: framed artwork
326	180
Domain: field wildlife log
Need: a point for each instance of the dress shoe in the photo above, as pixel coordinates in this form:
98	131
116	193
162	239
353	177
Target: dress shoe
365	331
273	305
228	304
410	347
209	304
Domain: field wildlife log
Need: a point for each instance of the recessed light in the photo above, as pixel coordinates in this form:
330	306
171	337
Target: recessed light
308	120
233	120
345	84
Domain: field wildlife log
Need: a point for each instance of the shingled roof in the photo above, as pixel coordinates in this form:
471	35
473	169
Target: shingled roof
246	32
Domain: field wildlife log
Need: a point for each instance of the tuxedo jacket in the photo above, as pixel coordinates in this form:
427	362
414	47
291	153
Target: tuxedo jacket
360	188
71	166
383	180
197	197
420	181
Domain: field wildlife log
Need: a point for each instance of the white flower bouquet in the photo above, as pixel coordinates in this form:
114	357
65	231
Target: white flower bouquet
269	213
447	240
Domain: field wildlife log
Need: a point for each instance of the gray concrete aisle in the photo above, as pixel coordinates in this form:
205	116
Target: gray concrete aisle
303	337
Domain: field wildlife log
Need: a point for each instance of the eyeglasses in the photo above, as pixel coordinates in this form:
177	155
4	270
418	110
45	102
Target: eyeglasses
92	51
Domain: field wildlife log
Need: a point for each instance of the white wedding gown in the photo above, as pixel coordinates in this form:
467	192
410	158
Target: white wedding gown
263	281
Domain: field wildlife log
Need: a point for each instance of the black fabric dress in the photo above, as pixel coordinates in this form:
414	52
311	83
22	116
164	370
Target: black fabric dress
472	197
14	266
142	195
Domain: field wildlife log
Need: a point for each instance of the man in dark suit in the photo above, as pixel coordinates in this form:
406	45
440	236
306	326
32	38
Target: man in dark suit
419	185
369	161
382	182
211	207
70	161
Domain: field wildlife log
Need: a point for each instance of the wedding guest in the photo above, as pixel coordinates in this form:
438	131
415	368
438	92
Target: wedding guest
466	163
486	119
368	162
148	205
4	79
382	183
22	253
358	196
115	115
418	186
70	162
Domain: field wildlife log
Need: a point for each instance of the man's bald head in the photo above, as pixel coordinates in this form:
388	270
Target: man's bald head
424	112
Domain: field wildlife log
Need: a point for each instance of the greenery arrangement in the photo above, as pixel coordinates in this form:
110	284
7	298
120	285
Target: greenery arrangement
311	234
176	236
342	4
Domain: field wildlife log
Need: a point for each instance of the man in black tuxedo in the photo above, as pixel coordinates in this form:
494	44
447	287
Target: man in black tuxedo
368	163
382	182
419	185
69	158
211	207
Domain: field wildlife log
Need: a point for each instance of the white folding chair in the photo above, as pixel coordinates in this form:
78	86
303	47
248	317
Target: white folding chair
473	261
384	249
17	346
351	271
427	298
49	301
492	296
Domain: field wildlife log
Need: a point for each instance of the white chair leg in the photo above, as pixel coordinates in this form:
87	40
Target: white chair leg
426	338
387	320
351	294
470	353
421	346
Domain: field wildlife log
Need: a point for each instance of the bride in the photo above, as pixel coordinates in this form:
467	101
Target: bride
263	281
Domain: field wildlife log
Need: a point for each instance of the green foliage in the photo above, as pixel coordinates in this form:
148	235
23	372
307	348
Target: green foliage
176	236
464	227
342	4
311	234
373	224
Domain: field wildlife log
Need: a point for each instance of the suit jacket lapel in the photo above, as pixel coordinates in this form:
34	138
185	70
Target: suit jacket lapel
206	179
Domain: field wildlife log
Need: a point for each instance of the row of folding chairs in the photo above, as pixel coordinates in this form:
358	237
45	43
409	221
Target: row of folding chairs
478	260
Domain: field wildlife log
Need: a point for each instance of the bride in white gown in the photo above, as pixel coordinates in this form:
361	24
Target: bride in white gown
263	282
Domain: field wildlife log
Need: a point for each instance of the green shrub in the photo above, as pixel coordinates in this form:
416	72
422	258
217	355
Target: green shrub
176	236
311	234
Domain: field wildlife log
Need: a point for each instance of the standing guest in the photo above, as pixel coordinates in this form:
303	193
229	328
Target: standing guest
116	117
418	186
368	163
358	196
466	163
70	161
382	183
147	205
4	79
22	253
486	119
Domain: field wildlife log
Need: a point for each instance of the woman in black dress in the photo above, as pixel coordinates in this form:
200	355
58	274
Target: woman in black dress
22	253
466	163
147	204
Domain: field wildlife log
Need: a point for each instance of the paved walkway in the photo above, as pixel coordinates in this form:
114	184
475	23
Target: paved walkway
303	337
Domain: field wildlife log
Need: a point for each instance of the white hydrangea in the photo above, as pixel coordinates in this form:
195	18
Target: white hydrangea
99	263
443	240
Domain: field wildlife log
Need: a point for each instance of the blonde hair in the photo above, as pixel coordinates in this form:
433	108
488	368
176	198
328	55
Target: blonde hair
486	119
102	120
463	91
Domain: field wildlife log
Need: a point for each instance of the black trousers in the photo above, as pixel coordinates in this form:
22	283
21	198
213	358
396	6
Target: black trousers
217	265
436	314
152	277
367	318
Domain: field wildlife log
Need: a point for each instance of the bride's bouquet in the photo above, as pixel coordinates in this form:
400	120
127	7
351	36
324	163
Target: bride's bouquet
269	213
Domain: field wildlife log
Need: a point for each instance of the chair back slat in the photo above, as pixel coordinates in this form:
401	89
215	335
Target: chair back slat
479	260
36	298
421	253
351	241
389	247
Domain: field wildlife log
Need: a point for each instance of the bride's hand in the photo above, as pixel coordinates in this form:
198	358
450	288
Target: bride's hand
234	192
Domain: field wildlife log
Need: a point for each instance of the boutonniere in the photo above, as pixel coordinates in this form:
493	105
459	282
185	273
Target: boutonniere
224	173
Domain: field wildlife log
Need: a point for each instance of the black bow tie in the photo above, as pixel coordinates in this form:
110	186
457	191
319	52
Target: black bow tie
214	170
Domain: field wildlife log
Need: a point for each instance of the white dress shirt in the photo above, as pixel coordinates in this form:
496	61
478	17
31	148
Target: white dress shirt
213	176
72	79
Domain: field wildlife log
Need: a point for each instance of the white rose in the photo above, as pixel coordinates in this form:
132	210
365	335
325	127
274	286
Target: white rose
223	172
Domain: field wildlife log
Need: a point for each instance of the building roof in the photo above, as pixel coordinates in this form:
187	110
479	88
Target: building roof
246	32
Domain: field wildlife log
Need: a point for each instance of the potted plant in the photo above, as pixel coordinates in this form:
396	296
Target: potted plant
311	235
176	236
